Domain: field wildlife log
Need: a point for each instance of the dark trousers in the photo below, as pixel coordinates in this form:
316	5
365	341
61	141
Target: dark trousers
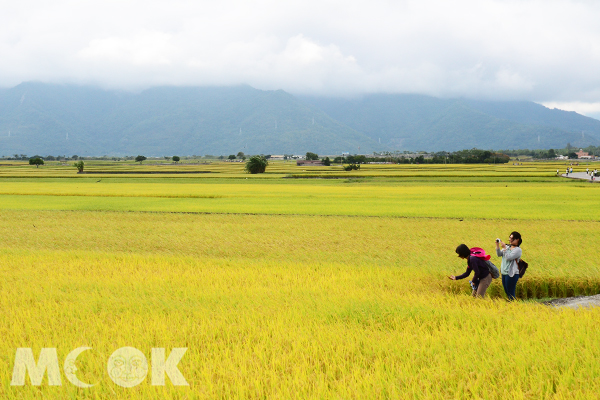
510	285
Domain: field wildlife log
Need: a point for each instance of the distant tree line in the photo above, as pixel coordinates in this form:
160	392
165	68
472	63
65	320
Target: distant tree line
569	151
24	157
473	156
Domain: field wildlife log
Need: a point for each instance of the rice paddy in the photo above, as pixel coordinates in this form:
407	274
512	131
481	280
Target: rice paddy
299	288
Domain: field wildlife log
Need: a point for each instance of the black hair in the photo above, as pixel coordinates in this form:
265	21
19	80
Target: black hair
517	235
463	250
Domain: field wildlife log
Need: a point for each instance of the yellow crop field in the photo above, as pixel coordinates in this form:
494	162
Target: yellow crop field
296	288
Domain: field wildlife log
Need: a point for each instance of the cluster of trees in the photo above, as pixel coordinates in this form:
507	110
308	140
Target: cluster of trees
240	156
256	164
79	165
37	161
473	156
595	150
18	157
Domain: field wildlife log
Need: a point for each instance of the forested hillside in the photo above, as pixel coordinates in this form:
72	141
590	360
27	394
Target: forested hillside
53	119
45	119
426	123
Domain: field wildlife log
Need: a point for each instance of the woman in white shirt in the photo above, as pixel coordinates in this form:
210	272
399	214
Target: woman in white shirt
511	254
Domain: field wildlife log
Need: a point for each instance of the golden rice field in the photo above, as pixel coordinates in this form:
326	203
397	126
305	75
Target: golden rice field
299	288
212	169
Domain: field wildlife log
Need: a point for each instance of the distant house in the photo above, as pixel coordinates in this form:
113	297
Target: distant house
276	157
583	154
309	163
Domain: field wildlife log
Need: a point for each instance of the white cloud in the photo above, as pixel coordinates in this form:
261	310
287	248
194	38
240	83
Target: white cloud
143	48
588	109
509	49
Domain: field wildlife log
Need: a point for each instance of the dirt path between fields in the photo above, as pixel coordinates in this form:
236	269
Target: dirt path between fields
575	302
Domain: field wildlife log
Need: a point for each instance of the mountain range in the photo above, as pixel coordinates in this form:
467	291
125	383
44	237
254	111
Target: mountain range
50	119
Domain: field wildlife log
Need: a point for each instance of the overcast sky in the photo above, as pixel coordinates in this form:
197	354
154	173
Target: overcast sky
546	51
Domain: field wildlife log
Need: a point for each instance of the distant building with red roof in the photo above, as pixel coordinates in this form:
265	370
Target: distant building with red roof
583	154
